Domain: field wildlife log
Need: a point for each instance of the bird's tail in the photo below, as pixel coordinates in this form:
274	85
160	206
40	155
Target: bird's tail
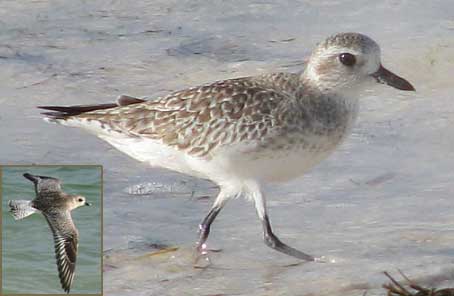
21	208
88	117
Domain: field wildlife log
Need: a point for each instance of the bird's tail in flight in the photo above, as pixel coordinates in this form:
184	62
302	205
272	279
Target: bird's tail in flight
21	208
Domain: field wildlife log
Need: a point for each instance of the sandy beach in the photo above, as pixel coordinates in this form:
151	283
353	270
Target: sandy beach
383	201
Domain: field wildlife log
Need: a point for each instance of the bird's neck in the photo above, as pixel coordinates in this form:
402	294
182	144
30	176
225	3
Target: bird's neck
311	83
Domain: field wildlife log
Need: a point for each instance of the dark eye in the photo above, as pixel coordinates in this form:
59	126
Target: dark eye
347	59
81	200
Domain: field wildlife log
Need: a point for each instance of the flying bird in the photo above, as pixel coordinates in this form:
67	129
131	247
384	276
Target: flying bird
56	206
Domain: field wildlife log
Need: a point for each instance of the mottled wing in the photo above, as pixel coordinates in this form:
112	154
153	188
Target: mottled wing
200	119
44	184
66	243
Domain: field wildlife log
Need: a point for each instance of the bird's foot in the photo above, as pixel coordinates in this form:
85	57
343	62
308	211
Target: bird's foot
323	259
201	258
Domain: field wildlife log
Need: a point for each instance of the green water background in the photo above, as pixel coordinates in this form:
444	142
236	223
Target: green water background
28	259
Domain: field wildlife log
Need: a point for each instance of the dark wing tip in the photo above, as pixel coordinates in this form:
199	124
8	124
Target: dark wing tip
30	177
62	112
35	178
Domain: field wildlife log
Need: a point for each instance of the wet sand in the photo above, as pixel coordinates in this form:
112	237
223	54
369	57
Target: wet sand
383	201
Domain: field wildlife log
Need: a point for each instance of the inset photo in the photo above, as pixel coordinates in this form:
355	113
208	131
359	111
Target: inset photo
51	229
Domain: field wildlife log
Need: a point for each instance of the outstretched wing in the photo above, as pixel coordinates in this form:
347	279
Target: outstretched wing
66	243
44	184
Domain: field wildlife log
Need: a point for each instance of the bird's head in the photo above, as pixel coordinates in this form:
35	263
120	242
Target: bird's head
346	61
78	201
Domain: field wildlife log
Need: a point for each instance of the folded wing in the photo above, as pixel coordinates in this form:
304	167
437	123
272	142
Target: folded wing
196	120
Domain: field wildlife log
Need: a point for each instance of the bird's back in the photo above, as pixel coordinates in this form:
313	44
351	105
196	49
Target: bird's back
47	200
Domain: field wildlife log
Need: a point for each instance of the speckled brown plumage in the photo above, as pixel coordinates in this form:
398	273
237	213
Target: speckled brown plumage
200	119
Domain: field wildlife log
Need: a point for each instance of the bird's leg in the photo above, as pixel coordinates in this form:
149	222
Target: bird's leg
204	227
271	240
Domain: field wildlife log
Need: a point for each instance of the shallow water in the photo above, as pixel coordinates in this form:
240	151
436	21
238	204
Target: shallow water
28	258
383	201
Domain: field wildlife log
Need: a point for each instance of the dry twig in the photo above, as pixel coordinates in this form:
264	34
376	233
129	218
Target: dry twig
396	289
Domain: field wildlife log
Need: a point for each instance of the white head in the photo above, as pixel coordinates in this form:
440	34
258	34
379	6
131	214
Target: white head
77	201
345	61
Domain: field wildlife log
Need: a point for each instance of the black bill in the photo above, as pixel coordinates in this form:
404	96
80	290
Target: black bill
385	76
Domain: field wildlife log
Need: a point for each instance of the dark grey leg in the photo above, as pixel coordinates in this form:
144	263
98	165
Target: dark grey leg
273	242
270	239
201	259
204	227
